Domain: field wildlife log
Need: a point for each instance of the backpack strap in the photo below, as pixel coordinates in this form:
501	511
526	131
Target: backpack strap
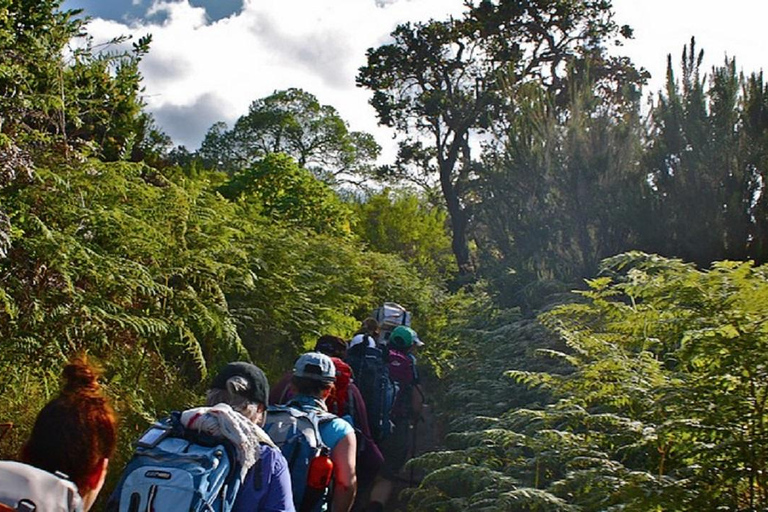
315	418
257	474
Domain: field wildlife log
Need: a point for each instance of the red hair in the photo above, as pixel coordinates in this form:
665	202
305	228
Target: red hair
76	431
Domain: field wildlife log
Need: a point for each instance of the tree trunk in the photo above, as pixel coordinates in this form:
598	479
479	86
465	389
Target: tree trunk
458	215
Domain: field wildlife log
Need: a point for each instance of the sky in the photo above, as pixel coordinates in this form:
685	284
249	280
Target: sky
209	59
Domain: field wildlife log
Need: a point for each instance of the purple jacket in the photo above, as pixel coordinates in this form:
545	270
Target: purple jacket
267	486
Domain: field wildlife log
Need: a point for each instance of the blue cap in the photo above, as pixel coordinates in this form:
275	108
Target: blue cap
316	366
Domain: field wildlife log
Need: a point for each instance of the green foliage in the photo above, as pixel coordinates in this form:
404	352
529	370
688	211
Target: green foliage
101	103
290	193
657	402
165	280
87	97
560	195
646	391
438	83
400	222
291	122
145	265
574	174
707	159
32	35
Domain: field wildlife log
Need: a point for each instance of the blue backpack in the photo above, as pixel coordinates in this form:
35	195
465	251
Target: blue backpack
297	433
174	470
371	371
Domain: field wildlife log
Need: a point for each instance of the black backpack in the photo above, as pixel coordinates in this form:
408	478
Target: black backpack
370	366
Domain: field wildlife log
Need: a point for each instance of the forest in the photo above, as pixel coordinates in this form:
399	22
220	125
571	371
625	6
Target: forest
587	269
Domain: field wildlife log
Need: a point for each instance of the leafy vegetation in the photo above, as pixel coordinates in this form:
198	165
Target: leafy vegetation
438	83
645	390
292	122
401	222
162	272
651	397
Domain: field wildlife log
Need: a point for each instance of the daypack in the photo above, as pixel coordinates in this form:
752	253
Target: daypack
338	402
297	433
389	316
174	469
26	488
369	458
369	364
402	372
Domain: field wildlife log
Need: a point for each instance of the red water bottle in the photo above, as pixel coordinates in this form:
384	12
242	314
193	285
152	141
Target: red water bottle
319	477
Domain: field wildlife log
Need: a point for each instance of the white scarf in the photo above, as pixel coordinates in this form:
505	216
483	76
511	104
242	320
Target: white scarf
224	422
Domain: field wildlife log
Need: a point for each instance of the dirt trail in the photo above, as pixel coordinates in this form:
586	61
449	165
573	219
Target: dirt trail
427	438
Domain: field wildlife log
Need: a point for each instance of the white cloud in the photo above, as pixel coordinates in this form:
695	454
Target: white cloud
267	46
219	68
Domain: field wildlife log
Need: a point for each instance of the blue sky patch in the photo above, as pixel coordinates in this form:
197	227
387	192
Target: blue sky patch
127	10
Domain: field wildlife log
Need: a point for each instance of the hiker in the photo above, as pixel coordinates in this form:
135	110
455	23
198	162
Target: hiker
210	458
267	485
65	460
367	335
369	362
332	346
313	380
405	414
345	401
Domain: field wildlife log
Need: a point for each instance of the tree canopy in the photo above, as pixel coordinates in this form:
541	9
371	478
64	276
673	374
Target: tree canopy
438	83
643	389
295	123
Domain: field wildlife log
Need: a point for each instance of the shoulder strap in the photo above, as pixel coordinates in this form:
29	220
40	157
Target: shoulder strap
317	419
314	417
257	473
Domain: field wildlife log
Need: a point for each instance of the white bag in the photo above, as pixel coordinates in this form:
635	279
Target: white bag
391	315
26	488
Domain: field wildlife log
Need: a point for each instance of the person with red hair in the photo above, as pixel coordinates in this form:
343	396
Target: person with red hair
65	460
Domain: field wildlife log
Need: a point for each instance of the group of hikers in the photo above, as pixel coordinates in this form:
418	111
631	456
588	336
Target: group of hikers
340	422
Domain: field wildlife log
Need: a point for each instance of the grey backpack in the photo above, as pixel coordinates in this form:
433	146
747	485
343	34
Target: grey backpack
25	488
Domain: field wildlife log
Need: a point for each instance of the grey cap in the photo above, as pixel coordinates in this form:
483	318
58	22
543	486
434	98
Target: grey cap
316	366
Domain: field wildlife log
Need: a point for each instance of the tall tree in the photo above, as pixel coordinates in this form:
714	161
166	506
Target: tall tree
438	82
561	191
753	145
295	123
288	192
706	163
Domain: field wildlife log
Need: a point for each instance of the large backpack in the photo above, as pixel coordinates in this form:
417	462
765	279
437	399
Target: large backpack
174	469
339	402
369	364
402	371
24	488
389	316
297	433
